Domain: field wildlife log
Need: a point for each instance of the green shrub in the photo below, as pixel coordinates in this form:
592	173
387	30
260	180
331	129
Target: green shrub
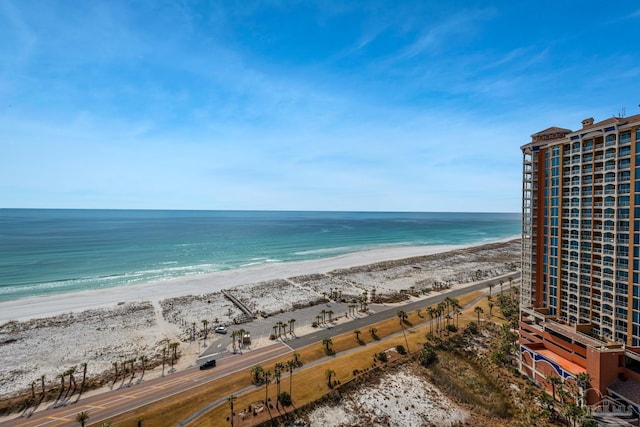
285	398
427	355
472	328
400	349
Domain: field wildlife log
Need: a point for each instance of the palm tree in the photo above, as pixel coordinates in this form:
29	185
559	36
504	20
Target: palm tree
174	355
447	318
230	399
82	417
143	359
277	374
291	365
133	367
323	313
478	311
291	323
240	336
432	314
403	316
372	331
72	379
419	313
327	344
283	325
296	359
33	390
357	332
84	377
61	376
115	367
257	371
491	284
583	380
330	313
42	384
329	374
275	333
233	340
490	308
458	313
175	350
267	375
554	381
205	323
501	284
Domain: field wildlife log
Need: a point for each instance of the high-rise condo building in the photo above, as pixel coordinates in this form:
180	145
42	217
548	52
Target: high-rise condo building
580	295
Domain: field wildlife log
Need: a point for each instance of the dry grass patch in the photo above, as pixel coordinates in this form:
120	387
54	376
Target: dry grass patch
172	410
309	384
469	383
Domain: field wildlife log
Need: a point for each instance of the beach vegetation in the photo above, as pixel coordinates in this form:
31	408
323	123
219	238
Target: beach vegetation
82	417
357	334
382	356
284	398
143	361
266	378
205	329
256	374
373	330
327	345
291	365
479	310
84	377
401	350
472	328
329	373
230	400
276	376
427	355
402	315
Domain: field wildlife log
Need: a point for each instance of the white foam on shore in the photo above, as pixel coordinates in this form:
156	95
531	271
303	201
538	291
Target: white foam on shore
47	306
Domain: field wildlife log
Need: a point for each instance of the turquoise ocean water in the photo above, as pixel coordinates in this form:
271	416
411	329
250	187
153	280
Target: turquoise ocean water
46	251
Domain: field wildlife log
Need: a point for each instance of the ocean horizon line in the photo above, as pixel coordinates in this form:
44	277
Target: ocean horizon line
256	210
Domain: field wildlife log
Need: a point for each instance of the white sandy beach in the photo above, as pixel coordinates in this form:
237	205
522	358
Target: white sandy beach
47	335
40	307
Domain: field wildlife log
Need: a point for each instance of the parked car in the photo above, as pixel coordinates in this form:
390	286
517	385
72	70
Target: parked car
208	364
221	330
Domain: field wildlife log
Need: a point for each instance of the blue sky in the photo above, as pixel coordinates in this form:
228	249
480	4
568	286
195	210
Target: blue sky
391	106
